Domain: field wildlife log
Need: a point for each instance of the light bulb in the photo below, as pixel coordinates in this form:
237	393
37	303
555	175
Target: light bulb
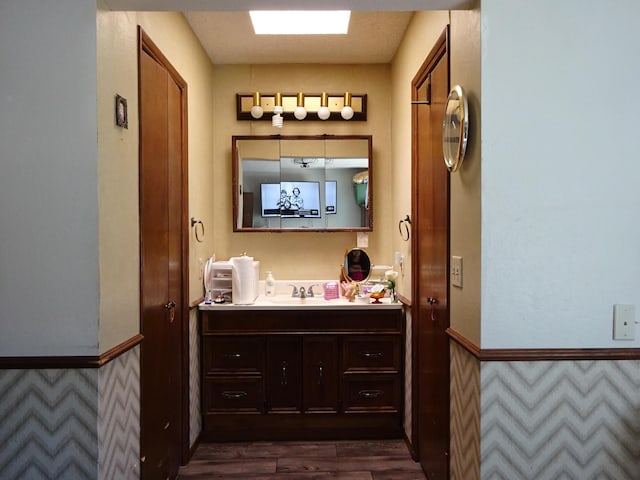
256	109
277	120
300	113
323	112
277	107
347	111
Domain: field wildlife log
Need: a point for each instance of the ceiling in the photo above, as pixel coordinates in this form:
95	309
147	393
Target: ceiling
228	38
225	31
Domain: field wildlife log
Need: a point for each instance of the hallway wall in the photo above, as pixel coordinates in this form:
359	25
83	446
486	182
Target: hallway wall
48	185
559	172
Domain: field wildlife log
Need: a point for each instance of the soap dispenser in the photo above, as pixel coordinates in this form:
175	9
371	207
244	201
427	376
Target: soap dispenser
270	285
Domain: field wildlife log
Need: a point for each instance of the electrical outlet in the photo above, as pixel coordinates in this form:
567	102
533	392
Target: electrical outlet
456	271
624	322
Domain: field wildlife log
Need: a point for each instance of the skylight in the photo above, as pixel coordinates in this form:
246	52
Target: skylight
300	22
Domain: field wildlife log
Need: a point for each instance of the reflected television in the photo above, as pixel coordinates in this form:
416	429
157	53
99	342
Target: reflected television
290	199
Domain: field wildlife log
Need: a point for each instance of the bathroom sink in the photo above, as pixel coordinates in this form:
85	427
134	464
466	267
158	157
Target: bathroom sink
284	300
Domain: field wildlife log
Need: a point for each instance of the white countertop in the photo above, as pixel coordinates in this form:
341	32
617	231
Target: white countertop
283	302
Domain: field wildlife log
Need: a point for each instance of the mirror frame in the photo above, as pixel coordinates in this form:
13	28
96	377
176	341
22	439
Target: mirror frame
345	265
235	187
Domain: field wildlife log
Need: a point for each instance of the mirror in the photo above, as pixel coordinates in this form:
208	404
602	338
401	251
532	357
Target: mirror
302	183
357	265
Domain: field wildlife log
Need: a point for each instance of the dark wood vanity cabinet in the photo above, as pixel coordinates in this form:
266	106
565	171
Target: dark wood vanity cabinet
290	374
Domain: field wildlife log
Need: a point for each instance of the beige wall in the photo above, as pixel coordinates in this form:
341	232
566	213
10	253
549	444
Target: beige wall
118	157
466	182
211	94
422	33
304	255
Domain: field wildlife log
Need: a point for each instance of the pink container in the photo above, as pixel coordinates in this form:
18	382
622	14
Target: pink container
331	290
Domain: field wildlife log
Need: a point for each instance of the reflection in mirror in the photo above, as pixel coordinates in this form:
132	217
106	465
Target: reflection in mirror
357	265
302	183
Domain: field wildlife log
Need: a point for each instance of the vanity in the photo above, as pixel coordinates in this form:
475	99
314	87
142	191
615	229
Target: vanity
286	369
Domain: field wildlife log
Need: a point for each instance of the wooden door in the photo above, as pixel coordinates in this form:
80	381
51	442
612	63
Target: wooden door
430	264
162	289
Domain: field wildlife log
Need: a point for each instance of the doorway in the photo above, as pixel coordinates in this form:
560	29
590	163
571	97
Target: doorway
163	262
430	267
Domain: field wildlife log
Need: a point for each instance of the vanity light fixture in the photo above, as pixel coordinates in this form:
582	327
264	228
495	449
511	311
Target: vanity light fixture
256	108
324	112
277	120
300	113
301	106
347	111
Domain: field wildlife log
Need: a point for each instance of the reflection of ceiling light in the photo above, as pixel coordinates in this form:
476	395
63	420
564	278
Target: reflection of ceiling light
305	162
300	22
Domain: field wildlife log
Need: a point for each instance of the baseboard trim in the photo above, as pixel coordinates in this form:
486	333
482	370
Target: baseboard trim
541	354
39	363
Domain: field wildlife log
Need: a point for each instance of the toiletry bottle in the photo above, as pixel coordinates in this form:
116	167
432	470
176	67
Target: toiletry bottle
270	285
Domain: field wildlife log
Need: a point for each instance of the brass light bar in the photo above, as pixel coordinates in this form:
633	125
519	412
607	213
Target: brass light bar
244	102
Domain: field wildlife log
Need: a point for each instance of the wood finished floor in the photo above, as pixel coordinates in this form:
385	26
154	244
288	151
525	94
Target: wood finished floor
324	460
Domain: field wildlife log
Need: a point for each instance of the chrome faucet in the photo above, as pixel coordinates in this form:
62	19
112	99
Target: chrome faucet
302	292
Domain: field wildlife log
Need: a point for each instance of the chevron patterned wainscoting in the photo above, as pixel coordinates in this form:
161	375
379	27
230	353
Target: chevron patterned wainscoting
465	415
195	424
408	367
570	420
48	424
119	417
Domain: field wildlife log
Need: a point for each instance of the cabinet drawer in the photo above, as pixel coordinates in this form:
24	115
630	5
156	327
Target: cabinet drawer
230	394
371	393
371	353
233	355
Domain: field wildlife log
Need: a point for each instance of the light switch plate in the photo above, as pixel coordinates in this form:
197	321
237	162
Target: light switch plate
362	240
624	322
456	271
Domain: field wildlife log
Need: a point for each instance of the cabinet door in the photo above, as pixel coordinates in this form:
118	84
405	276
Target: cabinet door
284	374
320	376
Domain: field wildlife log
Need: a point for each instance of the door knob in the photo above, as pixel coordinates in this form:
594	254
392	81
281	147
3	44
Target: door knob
171	309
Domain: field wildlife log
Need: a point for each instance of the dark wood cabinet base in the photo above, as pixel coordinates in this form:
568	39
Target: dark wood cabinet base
312	375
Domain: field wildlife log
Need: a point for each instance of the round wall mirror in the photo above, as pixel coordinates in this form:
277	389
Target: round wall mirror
357	265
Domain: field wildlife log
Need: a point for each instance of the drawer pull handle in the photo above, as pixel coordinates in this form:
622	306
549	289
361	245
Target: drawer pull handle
320	373
232	356
234	394
370	393
166	426
374	355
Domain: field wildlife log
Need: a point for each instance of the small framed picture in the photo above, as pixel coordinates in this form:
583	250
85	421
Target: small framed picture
121	112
